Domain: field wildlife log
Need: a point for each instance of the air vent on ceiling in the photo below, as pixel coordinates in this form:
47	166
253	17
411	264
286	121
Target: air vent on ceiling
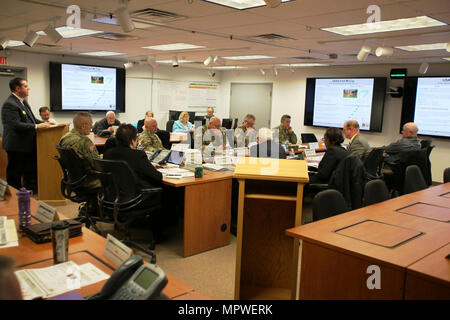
114	36
305	58
48	46
272	36
156	15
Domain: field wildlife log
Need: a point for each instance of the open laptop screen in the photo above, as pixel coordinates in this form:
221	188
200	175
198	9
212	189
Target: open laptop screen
176	157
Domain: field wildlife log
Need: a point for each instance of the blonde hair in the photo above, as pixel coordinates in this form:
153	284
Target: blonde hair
150	112
182	115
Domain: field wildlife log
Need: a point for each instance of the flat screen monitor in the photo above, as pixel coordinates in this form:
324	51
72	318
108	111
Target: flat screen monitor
77	87
426	101
330	102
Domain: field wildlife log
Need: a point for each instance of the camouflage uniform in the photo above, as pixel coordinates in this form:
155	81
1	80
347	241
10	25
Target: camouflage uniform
285	135
242	131
211	138
149	141
86	150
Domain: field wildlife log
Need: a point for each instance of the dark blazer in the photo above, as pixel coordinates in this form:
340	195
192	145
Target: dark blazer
264	150
138	162
140	124
329	162
102	124
19	126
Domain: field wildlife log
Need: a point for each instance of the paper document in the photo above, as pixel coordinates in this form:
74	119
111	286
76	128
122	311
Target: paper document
58	279
8	233
214	167
176	173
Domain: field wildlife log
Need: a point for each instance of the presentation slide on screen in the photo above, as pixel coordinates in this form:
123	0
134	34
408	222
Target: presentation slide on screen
339	100
87	87
432	113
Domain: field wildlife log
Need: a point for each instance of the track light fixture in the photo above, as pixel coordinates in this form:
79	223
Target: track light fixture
175	62
151	61
263	73
51	32
274	71
363	53
384	51
123	17
272	3
219	60
31	38
3	43
128	65
423	68
208	61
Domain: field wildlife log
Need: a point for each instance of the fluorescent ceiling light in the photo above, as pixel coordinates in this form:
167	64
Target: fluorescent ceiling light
304	65
240	4
113	21
174	46
102	53
386	26
170	61
448	59
423	47
228	67
15	43
69	32
255	57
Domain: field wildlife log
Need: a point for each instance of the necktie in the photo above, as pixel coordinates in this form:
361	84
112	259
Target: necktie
28	111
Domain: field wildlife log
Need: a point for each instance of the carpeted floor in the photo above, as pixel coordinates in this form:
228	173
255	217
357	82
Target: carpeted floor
210	273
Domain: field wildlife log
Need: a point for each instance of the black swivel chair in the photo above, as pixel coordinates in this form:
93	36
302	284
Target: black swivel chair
227	123
414	180
165	138
308	137
374	163
375	191
74	176
124	201
328	203
447	175
169	125
426	143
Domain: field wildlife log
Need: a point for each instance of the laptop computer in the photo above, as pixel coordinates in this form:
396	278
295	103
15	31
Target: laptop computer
175	157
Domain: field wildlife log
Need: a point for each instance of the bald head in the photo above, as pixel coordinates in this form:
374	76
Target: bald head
410	129
110	117
151	125
214	123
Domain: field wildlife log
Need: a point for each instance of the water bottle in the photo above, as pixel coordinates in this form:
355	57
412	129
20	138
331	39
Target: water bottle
292	154
23	197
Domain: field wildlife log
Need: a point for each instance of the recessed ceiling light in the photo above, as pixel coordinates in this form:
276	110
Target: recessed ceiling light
170	61
386	26
113	21
102	53
422	47
174	46
69	32
448	59
240	4
255	57
15	43
304	65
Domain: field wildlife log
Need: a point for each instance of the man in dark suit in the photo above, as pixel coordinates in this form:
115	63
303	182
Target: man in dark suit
19	136
106	124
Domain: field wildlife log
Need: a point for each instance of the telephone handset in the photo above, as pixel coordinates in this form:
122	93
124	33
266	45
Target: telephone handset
133	280
160	156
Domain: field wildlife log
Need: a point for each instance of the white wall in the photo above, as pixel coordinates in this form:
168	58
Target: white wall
288	94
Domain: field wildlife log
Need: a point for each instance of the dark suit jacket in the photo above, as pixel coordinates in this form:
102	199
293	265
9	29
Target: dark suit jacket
140	124
264	150
19	130
138	162
101	125
329	162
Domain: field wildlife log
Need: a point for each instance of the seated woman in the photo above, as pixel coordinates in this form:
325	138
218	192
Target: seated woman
335	153
182	124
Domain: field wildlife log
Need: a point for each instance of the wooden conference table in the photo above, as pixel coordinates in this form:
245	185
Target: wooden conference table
85	248
407	237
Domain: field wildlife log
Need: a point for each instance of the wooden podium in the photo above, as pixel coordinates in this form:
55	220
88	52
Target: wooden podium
49	172
270	201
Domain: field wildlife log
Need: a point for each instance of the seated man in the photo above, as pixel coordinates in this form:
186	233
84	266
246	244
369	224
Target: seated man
9	284
209	114
267	148
140	124
77	139
358	145
148	140
245	134
409	141
213	135
106	123
285	132
44	112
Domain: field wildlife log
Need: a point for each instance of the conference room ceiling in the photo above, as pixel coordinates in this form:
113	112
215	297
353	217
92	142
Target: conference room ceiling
290	33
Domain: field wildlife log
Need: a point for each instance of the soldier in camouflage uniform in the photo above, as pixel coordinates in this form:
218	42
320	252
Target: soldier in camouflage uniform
245	133
213	135
285	132
148	140
78	140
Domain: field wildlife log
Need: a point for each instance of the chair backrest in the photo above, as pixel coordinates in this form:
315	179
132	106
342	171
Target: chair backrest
165	138
375	191
227	123
447	175
414	180
169	125
71	165
235	123
328	203
426	143
308	137
201	119
373	163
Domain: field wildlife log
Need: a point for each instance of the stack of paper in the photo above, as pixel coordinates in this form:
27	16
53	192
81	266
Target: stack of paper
176	173
214	167
8	233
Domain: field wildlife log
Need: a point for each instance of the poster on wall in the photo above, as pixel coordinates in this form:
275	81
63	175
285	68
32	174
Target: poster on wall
202	95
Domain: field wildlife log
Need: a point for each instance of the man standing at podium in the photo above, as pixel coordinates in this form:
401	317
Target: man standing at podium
19	136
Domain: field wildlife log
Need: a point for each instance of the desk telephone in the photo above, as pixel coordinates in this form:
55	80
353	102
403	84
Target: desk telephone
133	280
160	156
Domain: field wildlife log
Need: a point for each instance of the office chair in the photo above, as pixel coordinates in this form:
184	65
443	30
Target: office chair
328	203
447	175
426	143
375	191
124	201
201	119
374	163
74	176
169	125
308	137
227	123
164	136
235	123
414	180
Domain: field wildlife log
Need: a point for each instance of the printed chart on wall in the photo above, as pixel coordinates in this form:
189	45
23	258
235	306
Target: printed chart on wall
183	95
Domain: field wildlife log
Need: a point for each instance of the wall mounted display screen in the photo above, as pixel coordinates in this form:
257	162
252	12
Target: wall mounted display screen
330	102
75	87
426	102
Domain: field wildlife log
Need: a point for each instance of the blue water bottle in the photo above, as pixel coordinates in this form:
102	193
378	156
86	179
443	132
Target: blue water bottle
23	197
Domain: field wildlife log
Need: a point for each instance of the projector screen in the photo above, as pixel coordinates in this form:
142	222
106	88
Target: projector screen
427	103
86	88
330	102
